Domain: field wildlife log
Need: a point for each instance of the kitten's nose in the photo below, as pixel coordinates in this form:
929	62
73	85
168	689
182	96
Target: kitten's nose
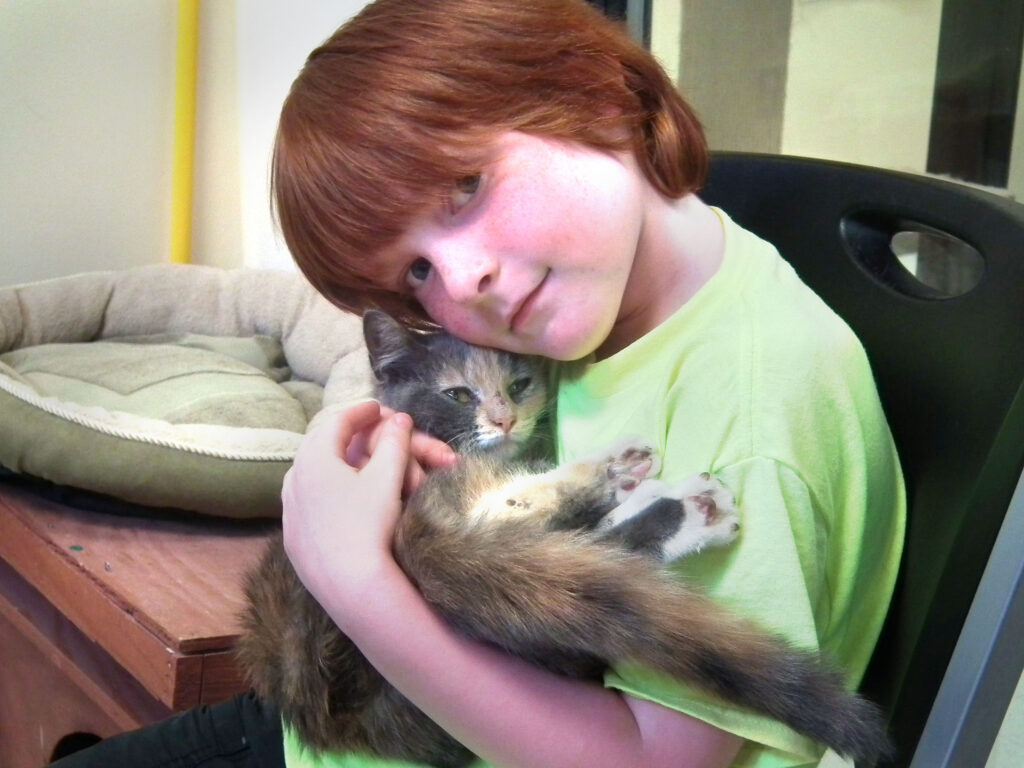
505	422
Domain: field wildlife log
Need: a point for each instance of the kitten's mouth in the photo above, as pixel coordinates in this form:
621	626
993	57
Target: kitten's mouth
491	443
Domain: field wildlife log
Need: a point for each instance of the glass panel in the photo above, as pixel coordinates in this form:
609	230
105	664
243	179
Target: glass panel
940	261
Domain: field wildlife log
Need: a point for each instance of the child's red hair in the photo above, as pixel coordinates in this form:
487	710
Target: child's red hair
398	104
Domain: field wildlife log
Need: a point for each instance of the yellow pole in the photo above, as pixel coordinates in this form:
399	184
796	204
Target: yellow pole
184	130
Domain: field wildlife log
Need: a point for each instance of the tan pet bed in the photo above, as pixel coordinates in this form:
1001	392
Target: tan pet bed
171	386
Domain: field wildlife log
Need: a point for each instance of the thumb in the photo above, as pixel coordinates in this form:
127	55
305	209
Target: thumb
391	454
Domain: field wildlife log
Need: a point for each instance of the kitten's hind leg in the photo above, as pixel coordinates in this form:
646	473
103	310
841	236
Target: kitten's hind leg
669	522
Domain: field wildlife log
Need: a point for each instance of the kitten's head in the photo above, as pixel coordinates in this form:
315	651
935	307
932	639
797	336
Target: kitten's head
471	397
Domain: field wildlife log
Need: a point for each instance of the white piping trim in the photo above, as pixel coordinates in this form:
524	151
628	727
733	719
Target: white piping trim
104	422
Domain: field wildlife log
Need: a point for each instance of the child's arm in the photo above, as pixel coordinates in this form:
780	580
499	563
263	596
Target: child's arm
508	711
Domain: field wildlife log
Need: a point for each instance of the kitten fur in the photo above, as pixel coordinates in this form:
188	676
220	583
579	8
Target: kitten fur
526	560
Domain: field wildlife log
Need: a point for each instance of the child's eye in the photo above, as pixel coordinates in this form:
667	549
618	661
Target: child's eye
460	395
418	273
464	190
518	386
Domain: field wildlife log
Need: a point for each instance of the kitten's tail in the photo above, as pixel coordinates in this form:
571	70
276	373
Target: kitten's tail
564	596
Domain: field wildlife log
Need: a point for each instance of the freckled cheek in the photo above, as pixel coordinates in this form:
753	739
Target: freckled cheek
515	228
532	221
546	239
438	309
457	322
567	221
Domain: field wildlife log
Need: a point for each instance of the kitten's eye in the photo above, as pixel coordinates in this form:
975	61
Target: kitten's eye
460	395
418	273
519	386
464	191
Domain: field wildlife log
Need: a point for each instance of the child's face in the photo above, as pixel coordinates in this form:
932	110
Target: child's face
532	256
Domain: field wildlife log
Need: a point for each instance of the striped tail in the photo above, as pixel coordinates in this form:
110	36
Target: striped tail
573	604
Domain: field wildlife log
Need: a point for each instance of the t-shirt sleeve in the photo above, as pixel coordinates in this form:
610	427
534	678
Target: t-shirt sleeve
781	545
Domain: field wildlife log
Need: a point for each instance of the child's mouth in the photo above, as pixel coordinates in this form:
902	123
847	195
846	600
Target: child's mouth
522	314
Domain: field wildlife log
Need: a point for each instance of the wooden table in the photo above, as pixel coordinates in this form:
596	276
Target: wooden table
110	622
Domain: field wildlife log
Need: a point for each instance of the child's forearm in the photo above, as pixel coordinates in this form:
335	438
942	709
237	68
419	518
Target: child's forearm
508	711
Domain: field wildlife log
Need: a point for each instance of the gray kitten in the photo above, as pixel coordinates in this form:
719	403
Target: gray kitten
559	566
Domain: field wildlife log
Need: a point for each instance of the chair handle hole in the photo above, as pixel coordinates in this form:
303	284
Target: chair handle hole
915	259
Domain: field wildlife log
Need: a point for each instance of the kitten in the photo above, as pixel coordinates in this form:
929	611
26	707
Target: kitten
472	398
560	566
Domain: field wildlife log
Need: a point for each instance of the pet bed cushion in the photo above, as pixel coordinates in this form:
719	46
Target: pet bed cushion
171	386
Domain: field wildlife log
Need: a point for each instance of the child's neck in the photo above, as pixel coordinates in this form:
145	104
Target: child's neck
681	246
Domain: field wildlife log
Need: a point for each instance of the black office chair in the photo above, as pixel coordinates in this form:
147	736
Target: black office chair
946	342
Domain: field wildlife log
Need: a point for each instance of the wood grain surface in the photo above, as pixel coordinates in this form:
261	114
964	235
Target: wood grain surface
161	596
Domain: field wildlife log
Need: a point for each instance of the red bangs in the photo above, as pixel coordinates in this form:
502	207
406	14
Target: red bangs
402	101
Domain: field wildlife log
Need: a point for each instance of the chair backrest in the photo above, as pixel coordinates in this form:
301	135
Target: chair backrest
949	369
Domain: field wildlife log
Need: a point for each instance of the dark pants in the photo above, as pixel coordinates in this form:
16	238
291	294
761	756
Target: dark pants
242	732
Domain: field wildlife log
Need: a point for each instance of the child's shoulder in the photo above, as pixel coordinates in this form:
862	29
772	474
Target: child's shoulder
778	307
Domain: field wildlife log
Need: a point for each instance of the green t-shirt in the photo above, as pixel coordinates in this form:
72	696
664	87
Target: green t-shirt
756	380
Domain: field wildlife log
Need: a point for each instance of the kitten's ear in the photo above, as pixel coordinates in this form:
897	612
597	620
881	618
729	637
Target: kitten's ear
388	342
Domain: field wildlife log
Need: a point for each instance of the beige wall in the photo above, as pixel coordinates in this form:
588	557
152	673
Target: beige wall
733	69
848	80
87	124
217	214
86	112
861	77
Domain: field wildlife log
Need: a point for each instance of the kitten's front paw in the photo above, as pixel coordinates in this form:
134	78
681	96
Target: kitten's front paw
630	462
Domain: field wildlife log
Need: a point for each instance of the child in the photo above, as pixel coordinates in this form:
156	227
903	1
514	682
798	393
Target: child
525	175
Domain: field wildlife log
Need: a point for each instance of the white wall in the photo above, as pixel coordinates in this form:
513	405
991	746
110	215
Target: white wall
87	120
274	38
667	34
1015	187
860	79
217	213
249	53
86	114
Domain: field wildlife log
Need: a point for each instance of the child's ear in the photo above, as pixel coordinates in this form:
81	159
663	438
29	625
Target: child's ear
388	342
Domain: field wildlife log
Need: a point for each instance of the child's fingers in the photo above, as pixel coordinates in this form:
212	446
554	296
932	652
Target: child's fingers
336	434
391	454
319	452
430	452
427	451
414	475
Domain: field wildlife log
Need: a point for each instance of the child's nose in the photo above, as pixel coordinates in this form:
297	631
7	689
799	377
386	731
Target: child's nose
468	276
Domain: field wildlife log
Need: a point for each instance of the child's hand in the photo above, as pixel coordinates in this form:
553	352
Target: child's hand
426	452
343	495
